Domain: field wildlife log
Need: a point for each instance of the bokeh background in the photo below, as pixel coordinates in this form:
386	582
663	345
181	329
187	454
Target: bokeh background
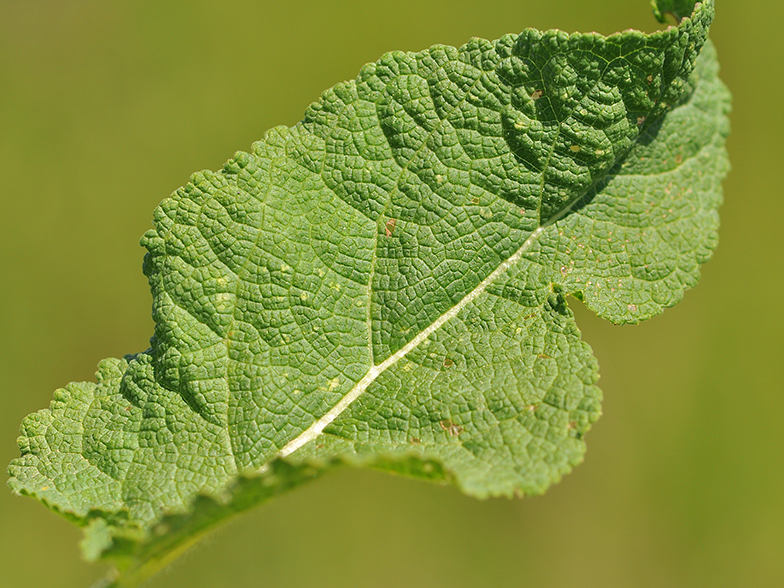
107	106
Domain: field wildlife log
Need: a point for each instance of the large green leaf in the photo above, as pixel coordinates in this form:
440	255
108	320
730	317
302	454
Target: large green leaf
384	285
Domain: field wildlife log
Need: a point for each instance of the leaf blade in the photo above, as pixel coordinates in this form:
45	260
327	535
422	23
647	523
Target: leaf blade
339	290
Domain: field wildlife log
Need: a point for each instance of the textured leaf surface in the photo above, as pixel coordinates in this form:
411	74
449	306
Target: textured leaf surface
385	284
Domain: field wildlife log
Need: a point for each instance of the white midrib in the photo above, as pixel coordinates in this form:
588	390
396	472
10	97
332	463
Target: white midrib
374	372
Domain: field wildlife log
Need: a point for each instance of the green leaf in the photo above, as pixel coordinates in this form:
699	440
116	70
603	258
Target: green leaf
385	285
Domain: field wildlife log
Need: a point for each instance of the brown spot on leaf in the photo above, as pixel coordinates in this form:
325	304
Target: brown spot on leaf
640	120
537	94
649	79
448	362
451	427
390	226
679	159
416	440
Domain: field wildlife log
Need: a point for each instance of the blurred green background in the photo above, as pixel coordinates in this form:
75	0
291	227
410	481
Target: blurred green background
108	106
